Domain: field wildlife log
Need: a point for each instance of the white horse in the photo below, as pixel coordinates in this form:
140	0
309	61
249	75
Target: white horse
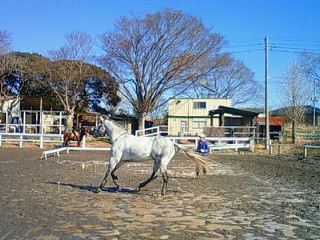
129	148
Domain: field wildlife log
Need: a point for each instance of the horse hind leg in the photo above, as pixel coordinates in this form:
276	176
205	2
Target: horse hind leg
151	178
165	178
112	165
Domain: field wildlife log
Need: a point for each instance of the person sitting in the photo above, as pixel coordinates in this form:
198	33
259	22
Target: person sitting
203	146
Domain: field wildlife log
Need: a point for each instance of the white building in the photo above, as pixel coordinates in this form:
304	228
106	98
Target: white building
190	115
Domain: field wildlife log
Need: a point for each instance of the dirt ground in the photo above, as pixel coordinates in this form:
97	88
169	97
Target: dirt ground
244	196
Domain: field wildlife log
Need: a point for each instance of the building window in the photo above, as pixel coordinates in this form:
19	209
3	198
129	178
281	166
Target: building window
199	105
198	124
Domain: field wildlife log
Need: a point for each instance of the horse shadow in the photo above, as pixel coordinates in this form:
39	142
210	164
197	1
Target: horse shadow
95	189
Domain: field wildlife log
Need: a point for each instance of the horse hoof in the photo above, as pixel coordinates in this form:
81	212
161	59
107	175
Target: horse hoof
137	189
98	190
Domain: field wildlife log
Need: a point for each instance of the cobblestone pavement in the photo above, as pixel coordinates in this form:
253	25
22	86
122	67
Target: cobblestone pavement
243	197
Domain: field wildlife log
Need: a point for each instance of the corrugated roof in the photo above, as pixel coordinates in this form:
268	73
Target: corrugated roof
234	111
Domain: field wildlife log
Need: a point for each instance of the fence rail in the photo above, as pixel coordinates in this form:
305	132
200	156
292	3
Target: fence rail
30	137
305	148
31	128
219	143
308	136
152	131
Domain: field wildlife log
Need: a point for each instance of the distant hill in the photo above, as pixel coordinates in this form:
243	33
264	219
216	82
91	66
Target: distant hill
281	112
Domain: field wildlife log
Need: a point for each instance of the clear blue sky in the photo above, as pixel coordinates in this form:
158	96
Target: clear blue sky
291	25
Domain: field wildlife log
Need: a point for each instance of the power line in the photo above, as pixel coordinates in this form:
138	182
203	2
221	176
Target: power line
291	51
245	51
295	48
246	45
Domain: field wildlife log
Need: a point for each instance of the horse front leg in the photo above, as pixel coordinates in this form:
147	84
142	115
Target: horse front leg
114	177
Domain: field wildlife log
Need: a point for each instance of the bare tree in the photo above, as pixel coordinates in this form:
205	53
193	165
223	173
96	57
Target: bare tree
311	65
5	42
150	55
74	81
11	81
231	80
295	93
68	71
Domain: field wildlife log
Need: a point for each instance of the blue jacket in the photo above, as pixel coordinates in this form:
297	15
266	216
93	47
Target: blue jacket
203	145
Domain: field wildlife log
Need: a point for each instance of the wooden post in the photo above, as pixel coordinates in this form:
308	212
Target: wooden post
279	149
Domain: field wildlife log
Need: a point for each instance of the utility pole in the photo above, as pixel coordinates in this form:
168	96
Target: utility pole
314	99
267	135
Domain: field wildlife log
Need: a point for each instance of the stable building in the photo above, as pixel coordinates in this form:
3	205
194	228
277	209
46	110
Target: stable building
189	116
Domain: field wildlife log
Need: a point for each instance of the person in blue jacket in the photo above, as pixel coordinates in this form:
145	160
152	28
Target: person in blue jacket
203	146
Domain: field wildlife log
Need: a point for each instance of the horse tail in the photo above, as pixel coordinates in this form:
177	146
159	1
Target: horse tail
202	166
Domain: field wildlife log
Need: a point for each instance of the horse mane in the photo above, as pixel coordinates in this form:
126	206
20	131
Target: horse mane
118	125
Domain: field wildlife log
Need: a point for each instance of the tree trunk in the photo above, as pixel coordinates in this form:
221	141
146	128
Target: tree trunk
293	132
70	121
141	120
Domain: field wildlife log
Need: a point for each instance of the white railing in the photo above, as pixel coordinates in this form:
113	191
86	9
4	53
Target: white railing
305	148
219	143
152	131
308	136
30	137
31	128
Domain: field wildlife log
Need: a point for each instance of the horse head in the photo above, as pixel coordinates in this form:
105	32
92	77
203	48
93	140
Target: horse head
100	130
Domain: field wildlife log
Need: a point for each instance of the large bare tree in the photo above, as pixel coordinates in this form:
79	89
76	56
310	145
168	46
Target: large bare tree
231	80
74	81
68	71
151	54
295	93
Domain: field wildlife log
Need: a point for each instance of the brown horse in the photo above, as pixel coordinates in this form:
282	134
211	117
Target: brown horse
75	136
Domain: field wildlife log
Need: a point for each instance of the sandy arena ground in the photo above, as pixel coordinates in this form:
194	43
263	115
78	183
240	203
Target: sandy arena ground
244	196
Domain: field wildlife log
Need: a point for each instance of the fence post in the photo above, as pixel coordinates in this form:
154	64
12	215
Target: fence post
84	141
41	141
21	138
270	148
0	140
279	149
305	151
251	147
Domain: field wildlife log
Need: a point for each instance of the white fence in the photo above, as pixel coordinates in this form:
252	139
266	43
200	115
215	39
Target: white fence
215	143
152	131
308	136
280	148
219	143
32	128
30	137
